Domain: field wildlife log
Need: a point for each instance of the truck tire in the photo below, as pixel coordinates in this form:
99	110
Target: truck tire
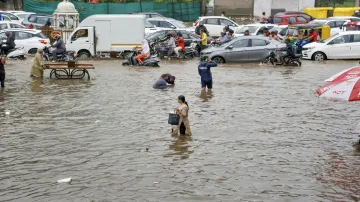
83	55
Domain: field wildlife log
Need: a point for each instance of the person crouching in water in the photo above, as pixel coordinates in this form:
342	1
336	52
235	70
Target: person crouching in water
37	69
145	52
161	82
183	111
205	74
181	44
170	79
171	44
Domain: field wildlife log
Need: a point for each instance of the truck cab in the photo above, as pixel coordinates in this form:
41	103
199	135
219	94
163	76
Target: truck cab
82	41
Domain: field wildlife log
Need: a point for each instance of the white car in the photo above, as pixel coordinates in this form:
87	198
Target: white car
216	24
344	45
7	16
10	25
169	23
336	25
254	29
30	39
22	14
150	28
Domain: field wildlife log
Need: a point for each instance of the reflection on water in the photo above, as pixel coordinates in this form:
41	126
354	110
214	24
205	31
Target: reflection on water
180	147
261	135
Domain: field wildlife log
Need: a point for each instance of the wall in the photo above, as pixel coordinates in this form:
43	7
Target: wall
234	7
189	11
289	5
262	6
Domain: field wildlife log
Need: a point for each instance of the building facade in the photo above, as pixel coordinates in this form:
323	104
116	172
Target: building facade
256	7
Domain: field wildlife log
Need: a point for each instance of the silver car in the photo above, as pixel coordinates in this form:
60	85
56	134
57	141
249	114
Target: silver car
243	49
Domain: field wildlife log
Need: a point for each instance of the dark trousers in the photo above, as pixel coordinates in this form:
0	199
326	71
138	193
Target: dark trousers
2	80
182	129
56	52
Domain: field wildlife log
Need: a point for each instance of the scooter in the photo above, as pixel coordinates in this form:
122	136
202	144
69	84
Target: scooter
150	61
13	54
62	57
274	59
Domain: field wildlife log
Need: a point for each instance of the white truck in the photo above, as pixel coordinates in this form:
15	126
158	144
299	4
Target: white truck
102	34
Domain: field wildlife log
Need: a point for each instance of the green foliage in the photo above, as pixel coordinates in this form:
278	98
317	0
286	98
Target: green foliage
334	3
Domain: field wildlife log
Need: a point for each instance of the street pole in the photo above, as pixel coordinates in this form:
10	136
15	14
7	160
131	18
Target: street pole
140	6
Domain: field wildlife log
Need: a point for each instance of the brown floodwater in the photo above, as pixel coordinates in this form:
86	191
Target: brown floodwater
262	135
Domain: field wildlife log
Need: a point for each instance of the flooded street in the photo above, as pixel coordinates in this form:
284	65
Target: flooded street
262	135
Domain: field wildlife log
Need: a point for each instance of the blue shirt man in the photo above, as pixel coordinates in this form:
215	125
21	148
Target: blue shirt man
161	82
205	73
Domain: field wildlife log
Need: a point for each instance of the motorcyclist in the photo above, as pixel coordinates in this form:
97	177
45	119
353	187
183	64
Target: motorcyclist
289	51
10	43
227	29
223	38
181	44
201	27
170	44
356	14
230	35
145	51
59	47
311	37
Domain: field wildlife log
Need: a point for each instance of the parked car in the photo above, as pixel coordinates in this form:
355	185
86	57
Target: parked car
10	17
30	39
305	15
254	29
149	14
344	45
39	20
150	28
352	19
188	36
335	25
22	14
10	25
243	49
169	23
216	24
285	19
282	29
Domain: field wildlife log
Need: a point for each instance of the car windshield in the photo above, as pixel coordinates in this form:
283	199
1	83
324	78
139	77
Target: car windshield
148	24
22	16
329	39
252	29
178	24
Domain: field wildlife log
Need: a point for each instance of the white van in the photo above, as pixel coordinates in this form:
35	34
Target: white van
102	34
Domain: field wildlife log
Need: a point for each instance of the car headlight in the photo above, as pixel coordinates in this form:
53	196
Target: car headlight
206	52
309	48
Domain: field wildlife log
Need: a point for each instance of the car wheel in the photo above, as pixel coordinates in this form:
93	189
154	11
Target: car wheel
319	56
219	60
32	51
83	55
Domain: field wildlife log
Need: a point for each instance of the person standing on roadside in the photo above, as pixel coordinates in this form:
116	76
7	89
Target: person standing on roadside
2	71
205	74
37	69
203	39
263	18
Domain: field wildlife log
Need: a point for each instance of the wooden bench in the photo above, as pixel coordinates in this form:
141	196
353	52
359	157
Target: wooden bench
69	70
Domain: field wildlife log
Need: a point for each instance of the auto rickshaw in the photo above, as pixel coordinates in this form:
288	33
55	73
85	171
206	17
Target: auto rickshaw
351	26
296	32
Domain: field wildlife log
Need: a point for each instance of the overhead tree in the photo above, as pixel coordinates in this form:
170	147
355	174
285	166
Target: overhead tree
331	3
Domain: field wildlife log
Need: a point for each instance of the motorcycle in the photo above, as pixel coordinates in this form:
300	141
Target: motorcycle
150	61
13	54
62	57
274	58
163	50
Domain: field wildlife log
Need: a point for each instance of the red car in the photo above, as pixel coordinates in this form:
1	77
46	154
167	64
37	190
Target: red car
295	19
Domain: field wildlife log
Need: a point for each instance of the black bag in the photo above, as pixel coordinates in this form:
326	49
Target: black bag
174	119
